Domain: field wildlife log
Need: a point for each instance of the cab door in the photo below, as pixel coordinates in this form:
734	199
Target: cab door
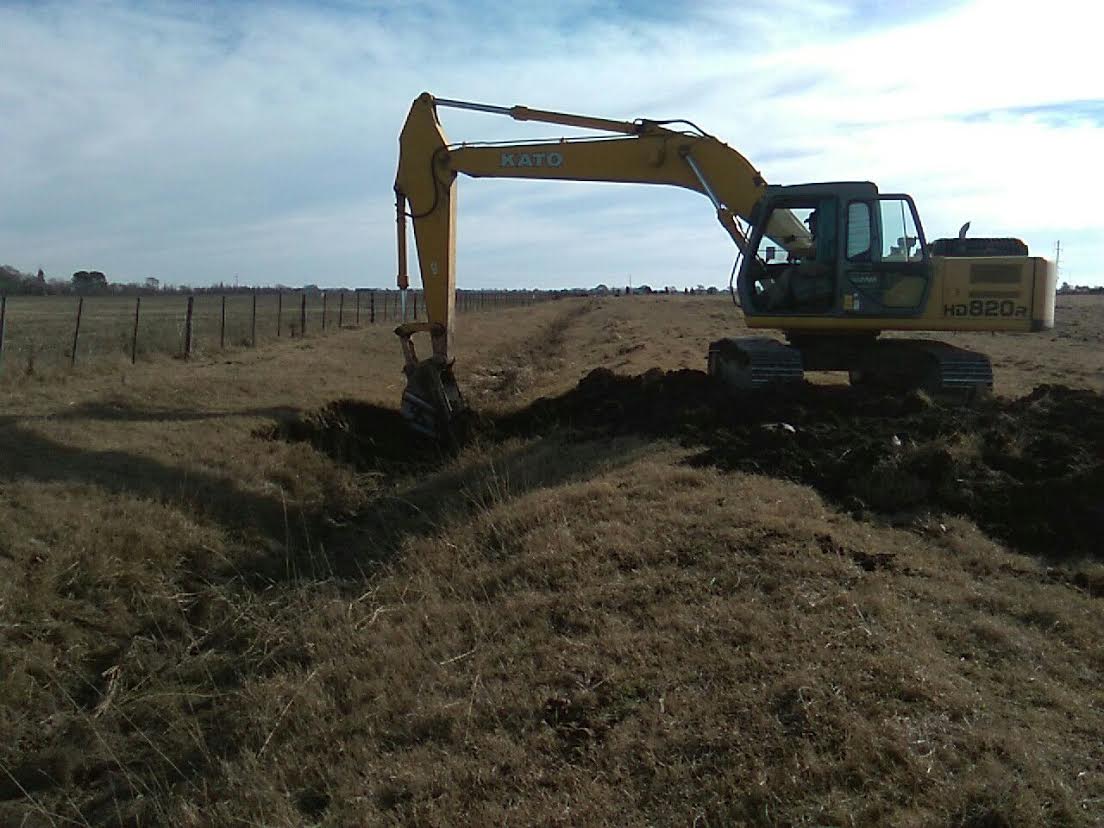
885	264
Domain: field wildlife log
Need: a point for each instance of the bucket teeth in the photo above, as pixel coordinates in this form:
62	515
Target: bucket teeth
431	402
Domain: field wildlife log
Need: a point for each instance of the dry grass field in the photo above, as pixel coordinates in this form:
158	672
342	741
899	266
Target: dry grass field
234	592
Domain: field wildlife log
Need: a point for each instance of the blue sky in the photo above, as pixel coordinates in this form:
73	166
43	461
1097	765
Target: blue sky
196	142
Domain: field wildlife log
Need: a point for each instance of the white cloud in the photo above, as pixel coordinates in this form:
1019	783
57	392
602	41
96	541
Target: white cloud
142	139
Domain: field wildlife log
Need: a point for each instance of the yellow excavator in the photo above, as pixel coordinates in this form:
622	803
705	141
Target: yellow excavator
831	265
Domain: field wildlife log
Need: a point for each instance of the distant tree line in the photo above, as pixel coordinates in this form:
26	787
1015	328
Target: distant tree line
1067	289
95	282
83	282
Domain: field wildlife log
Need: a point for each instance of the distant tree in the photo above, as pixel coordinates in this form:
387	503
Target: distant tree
153	283
89	281
10	279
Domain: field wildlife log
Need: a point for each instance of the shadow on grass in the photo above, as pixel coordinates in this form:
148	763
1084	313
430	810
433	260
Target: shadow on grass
107	411
26	455
119	413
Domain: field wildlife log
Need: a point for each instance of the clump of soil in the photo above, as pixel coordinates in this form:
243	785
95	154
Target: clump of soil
1030	471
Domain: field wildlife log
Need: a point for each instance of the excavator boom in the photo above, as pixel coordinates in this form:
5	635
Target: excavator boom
638	152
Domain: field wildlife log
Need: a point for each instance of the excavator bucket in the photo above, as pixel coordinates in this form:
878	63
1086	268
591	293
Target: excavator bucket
432	403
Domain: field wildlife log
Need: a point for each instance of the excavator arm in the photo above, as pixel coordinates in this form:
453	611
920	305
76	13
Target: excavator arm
639	152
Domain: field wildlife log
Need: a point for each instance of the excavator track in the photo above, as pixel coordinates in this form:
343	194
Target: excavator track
929	365
755	362
892	365
959	368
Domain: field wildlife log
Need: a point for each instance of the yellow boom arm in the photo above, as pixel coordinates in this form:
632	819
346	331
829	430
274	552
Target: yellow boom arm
648	153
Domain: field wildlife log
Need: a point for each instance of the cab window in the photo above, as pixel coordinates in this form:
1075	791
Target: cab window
900	241
886	272
858	231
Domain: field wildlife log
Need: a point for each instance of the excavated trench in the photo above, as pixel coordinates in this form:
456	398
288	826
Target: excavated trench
1028	471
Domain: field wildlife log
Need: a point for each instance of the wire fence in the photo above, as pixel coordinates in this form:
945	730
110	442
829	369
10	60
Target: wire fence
52	331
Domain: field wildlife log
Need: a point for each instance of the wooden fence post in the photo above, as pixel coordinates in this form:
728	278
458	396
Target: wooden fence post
372	308
188	329
279	310
222	324
340	308
303	314
3	320
76	333
356	295
324	295
253	323
134	336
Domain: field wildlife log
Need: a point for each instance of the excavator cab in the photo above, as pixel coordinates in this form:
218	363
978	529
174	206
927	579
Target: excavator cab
834	250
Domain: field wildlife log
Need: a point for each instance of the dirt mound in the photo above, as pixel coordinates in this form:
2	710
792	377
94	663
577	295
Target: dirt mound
1030	471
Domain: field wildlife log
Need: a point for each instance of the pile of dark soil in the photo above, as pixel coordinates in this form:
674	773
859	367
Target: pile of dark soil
1029	471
